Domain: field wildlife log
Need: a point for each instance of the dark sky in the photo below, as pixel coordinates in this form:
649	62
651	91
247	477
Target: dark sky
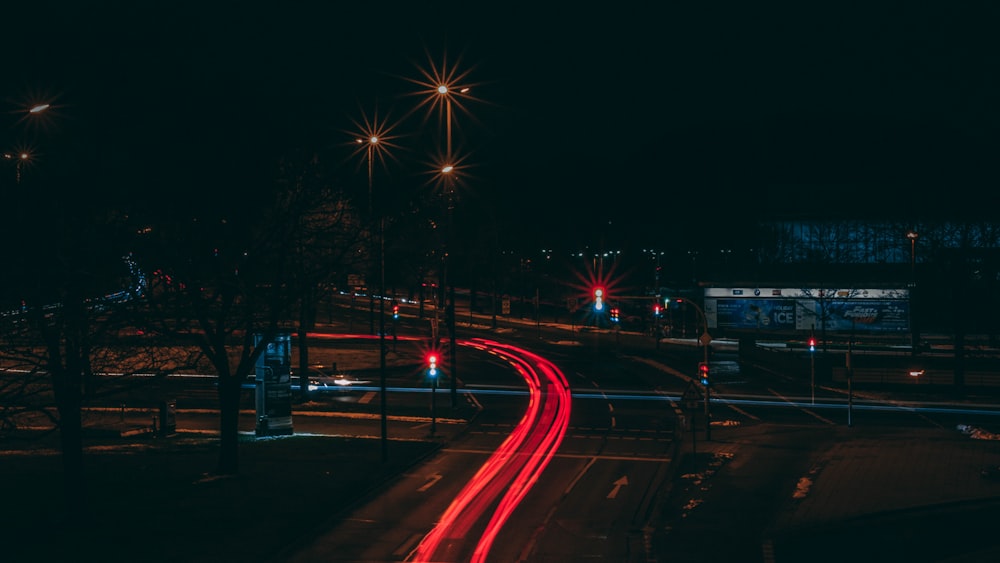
655	115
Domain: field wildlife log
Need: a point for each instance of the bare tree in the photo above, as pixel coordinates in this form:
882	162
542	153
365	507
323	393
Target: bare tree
229	285
327	240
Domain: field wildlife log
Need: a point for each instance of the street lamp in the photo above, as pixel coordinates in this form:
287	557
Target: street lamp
448	282
21	156
914	332
370	144
383	394
18	159
376	141
441	90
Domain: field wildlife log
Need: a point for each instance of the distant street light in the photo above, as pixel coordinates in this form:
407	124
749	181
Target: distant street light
913	236
914	331
18	159
21	156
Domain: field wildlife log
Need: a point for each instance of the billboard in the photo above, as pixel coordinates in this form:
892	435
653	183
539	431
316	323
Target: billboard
785	309
763	314
866	315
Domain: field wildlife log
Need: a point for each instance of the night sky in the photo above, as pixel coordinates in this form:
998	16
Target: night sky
664	118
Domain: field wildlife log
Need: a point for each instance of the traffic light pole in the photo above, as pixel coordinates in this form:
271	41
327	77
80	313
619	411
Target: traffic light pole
812	367
708	413
434	386
432	372
705	340
812	375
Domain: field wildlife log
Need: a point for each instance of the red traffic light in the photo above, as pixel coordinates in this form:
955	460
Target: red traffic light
703	372
432	364
598	298
812	343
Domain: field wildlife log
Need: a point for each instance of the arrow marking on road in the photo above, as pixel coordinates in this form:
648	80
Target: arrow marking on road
618	485
430	482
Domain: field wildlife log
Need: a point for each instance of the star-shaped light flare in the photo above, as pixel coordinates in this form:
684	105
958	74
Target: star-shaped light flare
37	111
444	90
22	156
594	277
447	175
374	138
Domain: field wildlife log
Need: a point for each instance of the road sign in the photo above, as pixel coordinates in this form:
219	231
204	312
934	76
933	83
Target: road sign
571	304
705	339
692	397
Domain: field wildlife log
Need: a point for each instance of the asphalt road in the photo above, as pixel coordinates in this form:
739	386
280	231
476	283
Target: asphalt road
780	480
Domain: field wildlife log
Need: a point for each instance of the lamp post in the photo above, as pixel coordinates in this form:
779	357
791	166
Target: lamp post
376	141
914	332
371	145
444	92
22	155
383	394
441	90
448	283
19	159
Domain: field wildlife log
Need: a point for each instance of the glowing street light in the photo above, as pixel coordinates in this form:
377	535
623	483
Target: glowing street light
447	283
913	235
376	141
442	92
20	157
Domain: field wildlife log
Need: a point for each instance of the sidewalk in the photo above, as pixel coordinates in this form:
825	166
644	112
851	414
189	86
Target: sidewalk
870	494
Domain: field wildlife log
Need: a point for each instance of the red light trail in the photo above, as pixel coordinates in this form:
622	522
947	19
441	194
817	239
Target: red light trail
510	472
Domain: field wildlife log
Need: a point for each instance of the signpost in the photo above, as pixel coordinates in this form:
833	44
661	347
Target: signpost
690	399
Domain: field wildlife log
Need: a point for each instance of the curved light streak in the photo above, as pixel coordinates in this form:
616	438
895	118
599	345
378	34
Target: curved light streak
511	471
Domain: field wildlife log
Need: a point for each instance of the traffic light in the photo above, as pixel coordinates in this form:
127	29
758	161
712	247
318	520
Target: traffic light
812	343
395	312
598	299
614	314
703	373
656	310
432	365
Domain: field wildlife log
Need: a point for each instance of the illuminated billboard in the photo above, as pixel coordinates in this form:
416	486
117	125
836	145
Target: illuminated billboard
785	309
